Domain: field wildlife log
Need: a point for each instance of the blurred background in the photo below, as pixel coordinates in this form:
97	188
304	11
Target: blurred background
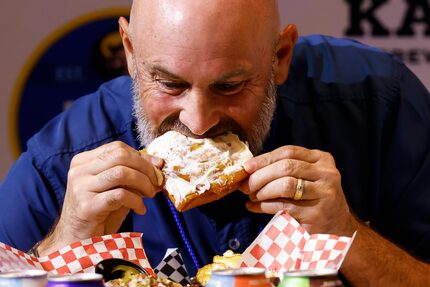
52	52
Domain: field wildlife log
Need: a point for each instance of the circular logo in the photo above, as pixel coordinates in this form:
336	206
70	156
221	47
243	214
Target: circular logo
70	63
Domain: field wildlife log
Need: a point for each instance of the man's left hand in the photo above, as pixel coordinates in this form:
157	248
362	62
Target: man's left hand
274	182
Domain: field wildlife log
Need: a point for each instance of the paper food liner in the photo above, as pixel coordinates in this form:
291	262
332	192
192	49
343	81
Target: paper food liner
80	256
284	245
172	267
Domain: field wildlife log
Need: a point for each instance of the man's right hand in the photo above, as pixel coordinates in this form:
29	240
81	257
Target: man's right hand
103	185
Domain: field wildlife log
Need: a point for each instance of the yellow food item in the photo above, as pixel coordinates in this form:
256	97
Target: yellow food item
228	260
127	272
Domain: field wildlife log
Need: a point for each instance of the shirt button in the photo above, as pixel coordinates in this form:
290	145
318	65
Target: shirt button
234	244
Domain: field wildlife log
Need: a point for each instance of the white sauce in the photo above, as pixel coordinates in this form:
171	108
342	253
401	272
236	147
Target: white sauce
195	158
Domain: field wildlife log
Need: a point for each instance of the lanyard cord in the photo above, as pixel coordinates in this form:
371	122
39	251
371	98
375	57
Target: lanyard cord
183	234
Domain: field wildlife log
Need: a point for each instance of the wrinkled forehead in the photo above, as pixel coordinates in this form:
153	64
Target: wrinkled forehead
207	24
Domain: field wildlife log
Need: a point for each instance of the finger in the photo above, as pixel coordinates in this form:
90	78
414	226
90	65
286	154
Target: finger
99	153
285	152
158	162
280	169
125	177
244	186
110	155
285	187
116	199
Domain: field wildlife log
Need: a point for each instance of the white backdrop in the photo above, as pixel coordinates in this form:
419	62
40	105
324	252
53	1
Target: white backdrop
27	23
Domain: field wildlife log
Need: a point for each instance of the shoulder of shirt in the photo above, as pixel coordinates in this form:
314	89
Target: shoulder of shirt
340	69
92	120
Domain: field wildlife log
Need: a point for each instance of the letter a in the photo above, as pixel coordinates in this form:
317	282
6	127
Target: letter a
413	5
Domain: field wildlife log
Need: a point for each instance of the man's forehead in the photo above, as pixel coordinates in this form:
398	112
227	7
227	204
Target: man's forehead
206	39
165	3
200	15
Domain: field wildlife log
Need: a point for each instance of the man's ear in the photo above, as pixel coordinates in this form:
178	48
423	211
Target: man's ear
284	52
126	42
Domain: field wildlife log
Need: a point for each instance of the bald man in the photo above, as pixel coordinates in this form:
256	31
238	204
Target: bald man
311	109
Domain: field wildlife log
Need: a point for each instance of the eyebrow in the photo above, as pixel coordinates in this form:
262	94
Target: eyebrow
234	73
155	68
160	69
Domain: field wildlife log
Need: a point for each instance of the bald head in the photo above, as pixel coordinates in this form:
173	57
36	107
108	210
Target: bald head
200	24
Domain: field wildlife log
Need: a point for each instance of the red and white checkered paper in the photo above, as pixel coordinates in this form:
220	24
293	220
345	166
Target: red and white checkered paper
80	256
284	245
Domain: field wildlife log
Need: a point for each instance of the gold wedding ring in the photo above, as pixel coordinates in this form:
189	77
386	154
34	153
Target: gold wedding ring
299	189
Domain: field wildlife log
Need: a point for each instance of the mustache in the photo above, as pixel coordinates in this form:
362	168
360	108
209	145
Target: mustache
173	123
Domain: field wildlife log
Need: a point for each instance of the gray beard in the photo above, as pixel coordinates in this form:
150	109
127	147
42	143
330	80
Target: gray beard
146	133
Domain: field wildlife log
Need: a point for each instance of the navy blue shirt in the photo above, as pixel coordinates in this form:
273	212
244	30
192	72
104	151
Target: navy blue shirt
354	101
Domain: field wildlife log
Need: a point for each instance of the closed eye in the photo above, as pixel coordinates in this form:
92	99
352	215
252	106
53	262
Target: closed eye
172	87
228	88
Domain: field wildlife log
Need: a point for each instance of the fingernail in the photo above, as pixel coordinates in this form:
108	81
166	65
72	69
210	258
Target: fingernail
253	197
244	187
156	161
250	166
249	205
159	175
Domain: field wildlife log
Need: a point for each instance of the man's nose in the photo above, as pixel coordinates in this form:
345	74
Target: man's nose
199	112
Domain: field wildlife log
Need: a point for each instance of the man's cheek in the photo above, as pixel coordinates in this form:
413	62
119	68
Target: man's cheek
157	110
